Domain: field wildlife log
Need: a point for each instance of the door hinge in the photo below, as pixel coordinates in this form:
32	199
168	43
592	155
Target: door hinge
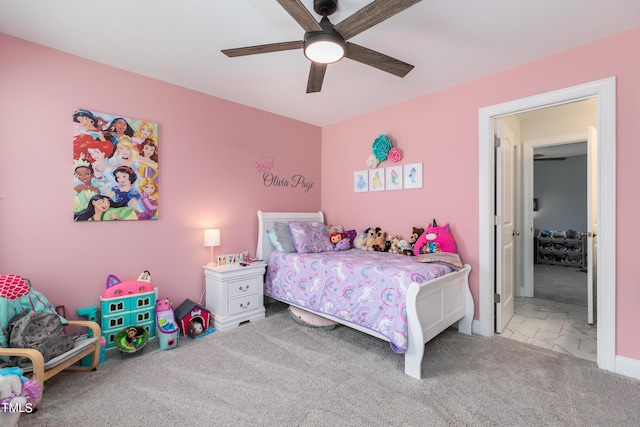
496	142
496	298
496	219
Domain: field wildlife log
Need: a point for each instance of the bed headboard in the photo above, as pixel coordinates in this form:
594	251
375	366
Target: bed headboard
268	219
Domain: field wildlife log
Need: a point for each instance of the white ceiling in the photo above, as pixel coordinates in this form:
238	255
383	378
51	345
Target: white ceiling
448	41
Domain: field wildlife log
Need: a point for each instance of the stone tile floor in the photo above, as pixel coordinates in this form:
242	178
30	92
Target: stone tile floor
554	325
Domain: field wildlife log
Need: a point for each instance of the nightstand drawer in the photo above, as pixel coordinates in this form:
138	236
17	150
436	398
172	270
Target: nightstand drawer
242	304
244	287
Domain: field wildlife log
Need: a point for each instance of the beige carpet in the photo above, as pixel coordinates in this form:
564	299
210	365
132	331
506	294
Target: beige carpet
278	372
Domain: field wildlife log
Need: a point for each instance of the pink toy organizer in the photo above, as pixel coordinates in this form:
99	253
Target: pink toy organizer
167	329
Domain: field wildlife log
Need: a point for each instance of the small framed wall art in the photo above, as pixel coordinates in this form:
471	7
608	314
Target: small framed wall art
413	175
361	181
394	177
376	179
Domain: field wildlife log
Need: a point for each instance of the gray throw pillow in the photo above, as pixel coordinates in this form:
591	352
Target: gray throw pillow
284	236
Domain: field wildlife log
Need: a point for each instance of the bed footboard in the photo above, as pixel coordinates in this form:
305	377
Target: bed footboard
431	308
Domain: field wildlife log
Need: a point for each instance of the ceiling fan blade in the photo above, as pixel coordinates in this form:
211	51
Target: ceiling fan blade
301	14
316	77
377	60
370	15
263	48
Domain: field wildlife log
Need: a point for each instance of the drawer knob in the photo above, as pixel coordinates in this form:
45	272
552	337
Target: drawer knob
246	288
245	306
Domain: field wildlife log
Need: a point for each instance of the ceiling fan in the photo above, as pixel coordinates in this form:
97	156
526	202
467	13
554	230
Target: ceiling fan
325	43
539	158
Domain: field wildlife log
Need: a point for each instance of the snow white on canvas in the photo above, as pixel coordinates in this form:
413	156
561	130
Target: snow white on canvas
115	167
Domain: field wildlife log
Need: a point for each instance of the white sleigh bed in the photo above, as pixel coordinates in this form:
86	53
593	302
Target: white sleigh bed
431	306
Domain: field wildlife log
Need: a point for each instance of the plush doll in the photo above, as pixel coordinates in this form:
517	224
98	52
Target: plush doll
394	241
415	234
195	327
351	236
380	240
335	237
340	242
404	247
370	240
360	240
335	229
17	390
10	385
435	239
342	245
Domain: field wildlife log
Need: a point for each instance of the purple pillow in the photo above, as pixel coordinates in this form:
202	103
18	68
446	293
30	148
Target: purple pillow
351	235
310	237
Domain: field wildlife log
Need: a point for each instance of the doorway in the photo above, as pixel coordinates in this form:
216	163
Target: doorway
604	92
551	310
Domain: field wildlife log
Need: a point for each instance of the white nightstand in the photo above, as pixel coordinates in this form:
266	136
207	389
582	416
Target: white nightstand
235	294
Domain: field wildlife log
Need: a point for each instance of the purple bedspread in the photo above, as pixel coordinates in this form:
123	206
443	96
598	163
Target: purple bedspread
360	287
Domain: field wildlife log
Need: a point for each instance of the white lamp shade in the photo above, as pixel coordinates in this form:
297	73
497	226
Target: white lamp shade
212	237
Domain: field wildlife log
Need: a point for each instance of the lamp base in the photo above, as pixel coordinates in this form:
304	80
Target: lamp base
212	264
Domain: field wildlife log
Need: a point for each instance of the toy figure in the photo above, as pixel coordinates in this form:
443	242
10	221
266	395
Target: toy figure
380	240
335	237
340	242
132	337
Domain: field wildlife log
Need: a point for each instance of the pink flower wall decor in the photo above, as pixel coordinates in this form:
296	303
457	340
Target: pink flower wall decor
395	155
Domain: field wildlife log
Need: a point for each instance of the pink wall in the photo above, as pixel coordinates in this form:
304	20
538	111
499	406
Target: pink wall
208	150
207	146
441	130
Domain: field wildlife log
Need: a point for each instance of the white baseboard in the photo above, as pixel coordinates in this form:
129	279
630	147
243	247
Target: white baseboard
628	367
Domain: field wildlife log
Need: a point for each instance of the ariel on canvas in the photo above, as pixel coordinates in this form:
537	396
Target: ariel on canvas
115	167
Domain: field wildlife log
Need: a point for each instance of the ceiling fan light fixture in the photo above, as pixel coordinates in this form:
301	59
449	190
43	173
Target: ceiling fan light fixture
324	47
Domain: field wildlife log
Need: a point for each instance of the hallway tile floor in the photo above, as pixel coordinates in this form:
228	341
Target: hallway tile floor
554	325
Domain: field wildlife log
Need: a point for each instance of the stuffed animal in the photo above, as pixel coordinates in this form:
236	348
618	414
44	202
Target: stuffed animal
335	237
435	239
380	240
394	241
415	234
404	247
335	229
350	235
10	385
17	390
340	242
370	234
195	328
342	245
360	240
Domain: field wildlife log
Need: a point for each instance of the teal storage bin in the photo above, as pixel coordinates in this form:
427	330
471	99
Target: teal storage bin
168	340
86	361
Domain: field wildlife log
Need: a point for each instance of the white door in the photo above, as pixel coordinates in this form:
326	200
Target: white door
505	230
592	224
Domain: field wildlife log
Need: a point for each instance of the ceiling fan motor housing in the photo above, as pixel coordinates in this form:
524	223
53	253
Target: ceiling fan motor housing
325	7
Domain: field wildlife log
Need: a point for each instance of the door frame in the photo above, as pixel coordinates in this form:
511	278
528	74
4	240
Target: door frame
605	91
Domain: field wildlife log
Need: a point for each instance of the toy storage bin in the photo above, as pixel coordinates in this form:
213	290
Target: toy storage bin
168	340
86	361
167	328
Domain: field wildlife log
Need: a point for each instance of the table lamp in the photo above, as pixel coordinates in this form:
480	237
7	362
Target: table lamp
211	239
